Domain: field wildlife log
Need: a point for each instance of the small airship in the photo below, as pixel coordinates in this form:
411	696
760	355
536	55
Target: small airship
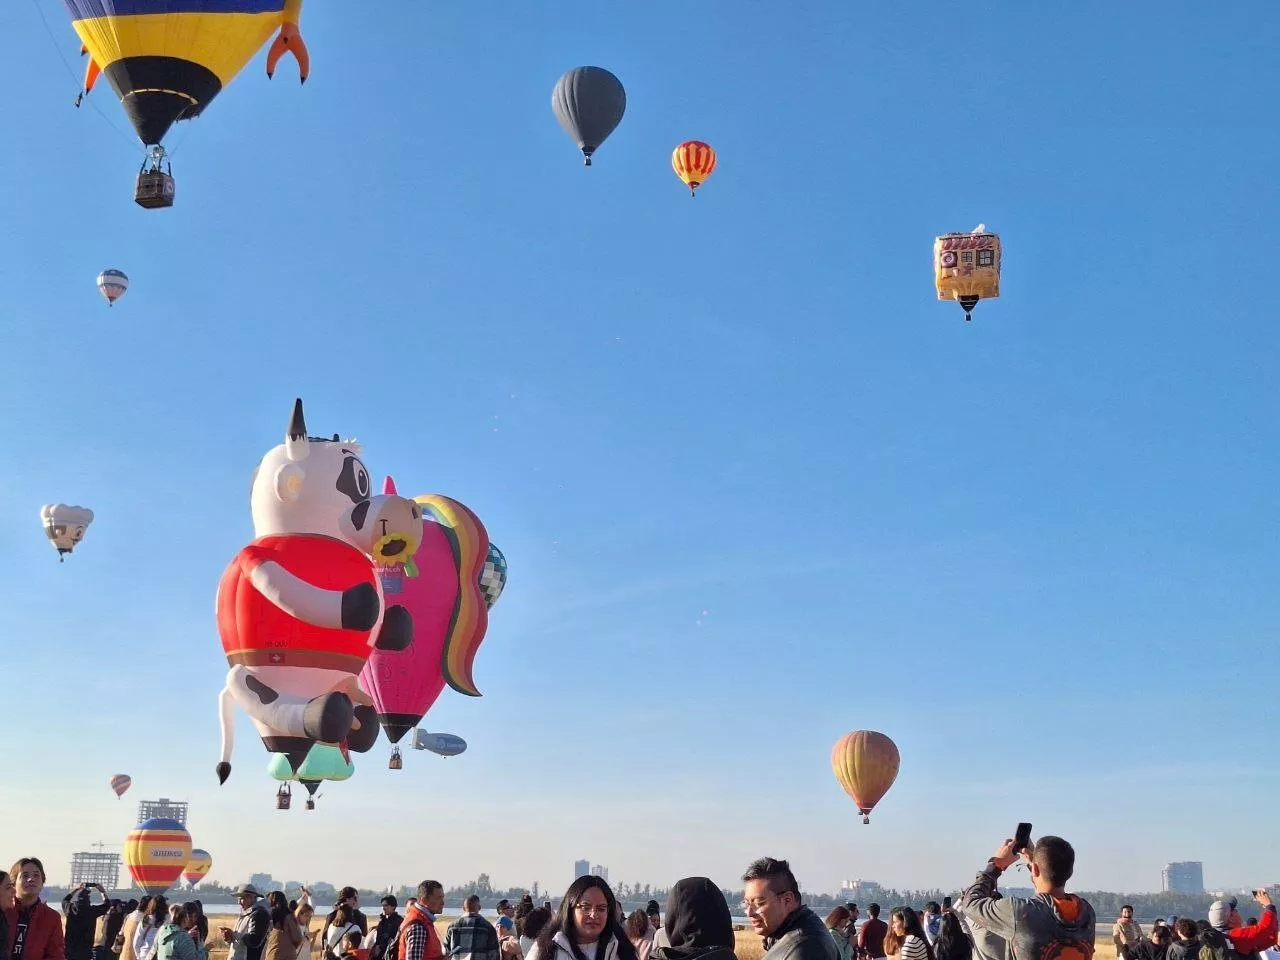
444	744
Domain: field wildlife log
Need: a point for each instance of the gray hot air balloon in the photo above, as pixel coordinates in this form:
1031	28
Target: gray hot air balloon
589	103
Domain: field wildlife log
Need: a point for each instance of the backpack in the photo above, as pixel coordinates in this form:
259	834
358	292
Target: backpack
1215	945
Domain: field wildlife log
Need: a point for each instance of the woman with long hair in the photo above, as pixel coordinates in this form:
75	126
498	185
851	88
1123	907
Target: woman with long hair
144	938
585	928
341	923
839	922
529	926
199	928
8	901
638	928
285	936
173	939
952	942
303	914
905	927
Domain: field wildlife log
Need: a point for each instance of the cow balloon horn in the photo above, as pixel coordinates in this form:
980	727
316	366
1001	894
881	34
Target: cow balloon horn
389	486
295	441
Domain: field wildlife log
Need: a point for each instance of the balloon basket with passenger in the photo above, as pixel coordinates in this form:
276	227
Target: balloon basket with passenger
396	762
284	797
154	188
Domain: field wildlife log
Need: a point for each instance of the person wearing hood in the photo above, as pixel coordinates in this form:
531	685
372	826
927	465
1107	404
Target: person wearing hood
698	925
585	928
82	920
1051	922
1246	939
791	931
35	929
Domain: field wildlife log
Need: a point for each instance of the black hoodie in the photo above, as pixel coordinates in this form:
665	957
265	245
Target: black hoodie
82	921
698	923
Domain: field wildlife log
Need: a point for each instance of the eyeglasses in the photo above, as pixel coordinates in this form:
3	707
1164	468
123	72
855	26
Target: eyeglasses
757	905
591	908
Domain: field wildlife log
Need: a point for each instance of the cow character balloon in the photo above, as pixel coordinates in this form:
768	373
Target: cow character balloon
300	608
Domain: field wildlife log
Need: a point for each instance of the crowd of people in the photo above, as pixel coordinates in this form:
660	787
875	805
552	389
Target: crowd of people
590	924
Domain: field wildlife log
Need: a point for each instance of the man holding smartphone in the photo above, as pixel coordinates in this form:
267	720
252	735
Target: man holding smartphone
1052	925
82	919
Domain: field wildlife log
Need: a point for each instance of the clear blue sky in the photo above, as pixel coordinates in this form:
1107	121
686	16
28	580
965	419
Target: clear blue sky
756	486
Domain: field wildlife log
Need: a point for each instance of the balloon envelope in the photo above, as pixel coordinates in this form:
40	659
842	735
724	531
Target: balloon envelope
693	161
589	103
112	284
866	764
493	577
156	852
65	525
120	783
443	744
197	867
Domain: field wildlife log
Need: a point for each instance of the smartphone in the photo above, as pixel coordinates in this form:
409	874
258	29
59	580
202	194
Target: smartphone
946	903
1022	838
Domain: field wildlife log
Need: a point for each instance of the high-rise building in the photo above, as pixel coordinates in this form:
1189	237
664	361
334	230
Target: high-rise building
581	868
103	868
1184	877
601	871
262	882
856	890
164	807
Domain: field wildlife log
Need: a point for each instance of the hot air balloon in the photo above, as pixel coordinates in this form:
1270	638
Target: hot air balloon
112	284
966	267
493	576
325	761
589	103
120	783
156	852
470	543
167	60
693	161
441	744
197	867
65	525
866	764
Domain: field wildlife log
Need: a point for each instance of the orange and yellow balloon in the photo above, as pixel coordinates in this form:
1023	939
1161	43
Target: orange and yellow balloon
866	764
156	852
199	865
693	161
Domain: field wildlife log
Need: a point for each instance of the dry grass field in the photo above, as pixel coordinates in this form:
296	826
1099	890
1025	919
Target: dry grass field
747	947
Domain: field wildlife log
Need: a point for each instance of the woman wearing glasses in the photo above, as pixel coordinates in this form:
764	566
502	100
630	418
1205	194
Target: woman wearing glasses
586	928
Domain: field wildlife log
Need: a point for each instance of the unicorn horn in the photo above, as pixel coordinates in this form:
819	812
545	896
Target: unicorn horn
388	485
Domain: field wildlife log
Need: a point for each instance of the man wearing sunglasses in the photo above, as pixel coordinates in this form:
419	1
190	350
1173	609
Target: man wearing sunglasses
791	931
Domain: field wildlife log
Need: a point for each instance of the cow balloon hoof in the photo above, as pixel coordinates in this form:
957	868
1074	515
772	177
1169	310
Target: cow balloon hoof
362	740
396	632
359	607
224	771
328	718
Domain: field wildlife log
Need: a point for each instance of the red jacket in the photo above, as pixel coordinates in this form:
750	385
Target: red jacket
413	945
1246	940
43	937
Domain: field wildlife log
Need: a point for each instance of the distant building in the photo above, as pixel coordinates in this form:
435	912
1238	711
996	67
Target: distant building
1184	877
262	882
103	868
164	807
601	872
859	890
581	868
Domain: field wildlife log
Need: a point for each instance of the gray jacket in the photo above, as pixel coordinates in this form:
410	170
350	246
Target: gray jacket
1040	928
802	936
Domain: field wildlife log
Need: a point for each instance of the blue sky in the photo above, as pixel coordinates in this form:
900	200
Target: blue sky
755	485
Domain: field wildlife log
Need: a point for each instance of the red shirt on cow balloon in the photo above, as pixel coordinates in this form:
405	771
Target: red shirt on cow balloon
300	608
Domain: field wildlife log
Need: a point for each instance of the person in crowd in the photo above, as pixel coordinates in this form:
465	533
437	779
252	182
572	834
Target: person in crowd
144	937
584	928
871	935
173	938
1051	922
8	902
418	937
284	938
932	921
82	919
108	929
471	936
791	931
337	926
952	942
351	946
198	929
908	930
530	925
35	928
639	932
249	936
388	926
1245	938
304	913
654	913
840	925
1126	932
349	904
697	925
1186	940
505	922
133	919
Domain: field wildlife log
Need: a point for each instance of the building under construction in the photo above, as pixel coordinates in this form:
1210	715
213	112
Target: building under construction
164	807
103	868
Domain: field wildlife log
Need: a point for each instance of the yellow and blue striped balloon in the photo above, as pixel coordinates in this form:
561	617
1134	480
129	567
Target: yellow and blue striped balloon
156	852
